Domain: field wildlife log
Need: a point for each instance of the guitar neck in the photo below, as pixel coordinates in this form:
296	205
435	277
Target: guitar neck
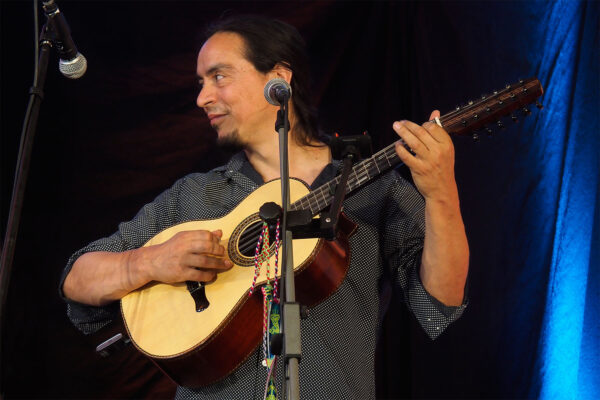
462	121
363	172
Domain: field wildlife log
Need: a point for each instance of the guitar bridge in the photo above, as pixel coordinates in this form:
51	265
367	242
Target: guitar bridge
198	293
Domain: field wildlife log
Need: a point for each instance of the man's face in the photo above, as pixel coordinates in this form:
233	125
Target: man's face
232	91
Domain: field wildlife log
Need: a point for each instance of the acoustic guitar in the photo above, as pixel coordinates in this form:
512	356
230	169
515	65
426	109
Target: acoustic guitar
200	333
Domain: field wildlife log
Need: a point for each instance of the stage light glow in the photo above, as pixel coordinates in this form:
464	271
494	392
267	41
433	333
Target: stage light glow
568	363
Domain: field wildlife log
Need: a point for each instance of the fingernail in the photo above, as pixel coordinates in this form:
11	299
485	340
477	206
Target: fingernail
397	124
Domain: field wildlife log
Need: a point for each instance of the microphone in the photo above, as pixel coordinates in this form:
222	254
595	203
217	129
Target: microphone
72	63
277	91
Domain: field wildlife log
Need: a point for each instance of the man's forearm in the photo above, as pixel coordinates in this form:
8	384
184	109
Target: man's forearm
99	278
445	260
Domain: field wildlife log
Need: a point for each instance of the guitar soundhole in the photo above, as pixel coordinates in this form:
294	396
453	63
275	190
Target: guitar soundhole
242	246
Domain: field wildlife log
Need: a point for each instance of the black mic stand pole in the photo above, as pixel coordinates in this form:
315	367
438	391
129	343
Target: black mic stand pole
291	309
36	94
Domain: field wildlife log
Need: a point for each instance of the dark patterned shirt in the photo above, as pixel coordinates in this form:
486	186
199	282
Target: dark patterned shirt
340	334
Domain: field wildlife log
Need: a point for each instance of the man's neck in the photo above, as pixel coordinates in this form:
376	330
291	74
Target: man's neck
305	162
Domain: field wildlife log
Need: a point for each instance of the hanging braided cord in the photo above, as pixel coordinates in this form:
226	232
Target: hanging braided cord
271	314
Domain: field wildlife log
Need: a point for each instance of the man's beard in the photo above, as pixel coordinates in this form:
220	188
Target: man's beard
231	143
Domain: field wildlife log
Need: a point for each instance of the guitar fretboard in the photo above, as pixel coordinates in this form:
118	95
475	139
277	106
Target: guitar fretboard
363	172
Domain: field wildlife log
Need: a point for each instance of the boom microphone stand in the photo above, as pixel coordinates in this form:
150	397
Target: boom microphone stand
291	309
36	93
55	33
302	224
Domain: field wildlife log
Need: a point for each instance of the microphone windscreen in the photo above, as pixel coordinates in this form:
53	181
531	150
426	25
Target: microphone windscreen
74	68
274	85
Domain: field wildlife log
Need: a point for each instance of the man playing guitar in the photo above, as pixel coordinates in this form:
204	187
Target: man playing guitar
415	240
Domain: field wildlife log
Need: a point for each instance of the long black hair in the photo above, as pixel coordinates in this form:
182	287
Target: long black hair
270	42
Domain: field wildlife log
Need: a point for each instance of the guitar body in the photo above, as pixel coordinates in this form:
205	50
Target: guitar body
198	348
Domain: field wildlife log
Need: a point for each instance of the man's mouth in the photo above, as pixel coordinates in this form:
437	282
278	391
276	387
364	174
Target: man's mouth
214	118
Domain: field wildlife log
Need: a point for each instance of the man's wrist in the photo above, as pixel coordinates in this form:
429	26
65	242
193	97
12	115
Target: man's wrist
448	202
137	267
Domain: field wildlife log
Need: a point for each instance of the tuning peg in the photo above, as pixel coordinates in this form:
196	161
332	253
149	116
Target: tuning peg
521	81
539	105
457	108
500	125
514	118
464	122
507	86
526	111
483	97
475	137
489	131
470	102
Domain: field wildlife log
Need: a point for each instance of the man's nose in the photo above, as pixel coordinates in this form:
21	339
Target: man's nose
205	97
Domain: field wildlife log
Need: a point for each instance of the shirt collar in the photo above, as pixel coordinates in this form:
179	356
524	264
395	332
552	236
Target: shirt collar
239	164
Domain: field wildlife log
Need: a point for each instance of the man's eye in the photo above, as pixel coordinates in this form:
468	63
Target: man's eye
218	77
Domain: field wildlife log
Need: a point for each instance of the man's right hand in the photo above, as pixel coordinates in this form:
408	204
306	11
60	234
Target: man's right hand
188	256
98	278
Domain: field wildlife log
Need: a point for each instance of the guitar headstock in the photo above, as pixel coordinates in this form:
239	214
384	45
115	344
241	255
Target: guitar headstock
480	114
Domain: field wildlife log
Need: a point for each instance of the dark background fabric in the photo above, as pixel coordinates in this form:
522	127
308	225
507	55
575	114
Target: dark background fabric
111	141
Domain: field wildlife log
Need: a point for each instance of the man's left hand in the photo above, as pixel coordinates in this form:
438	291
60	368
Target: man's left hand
432	165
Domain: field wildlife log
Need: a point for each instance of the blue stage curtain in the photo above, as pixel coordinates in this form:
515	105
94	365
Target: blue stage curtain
568	361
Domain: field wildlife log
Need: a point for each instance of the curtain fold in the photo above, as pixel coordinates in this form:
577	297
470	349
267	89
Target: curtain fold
564	366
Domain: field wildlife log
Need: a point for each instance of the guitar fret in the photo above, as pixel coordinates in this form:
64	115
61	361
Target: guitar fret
323	195
382	157
377	166
350	185
310	201
361	179
386	157
373	167
366	170
307	200
311	209
318	201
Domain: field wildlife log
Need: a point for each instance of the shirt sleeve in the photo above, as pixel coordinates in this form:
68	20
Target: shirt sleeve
151	219
403	246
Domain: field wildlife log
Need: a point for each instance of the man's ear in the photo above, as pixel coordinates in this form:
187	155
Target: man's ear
281	71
